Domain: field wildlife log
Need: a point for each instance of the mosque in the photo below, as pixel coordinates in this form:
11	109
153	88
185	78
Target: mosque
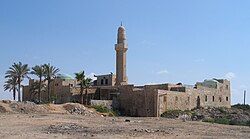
131	100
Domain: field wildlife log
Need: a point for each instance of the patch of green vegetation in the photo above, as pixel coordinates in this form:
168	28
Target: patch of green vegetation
222	110
104	109
172	113
242	106
217	120
234	122
248	123
222	121
209	120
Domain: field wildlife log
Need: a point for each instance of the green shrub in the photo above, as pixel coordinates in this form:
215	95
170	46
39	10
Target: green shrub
209	120
248	123
172	113
222	121
217	120
104	109
222	110
101	108
242	106
235	122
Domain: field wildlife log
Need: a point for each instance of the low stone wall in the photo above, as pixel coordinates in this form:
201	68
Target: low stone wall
106	103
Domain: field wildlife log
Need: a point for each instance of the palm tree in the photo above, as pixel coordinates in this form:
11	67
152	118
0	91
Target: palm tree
39	72
84	83
87	84
80	77
11	85
34	90
18	71
50	73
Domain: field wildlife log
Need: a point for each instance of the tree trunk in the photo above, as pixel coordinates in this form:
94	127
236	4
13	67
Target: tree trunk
81	92
19	90
48	90
14	93
39	91
86	93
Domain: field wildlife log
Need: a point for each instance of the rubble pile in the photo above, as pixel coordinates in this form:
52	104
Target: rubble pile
27	107
75	108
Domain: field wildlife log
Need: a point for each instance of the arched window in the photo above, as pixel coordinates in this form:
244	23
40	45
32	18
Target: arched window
165	98
220	99
101	81
213	98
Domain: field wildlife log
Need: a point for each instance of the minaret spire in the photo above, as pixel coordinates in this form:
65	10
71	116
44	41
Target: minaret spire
121	49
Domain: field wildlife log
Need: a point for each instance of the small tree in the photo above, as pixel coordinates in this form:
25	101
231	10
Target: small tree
84	83
87	84
35	88
50	74
11	85
18	71
39	71
80	77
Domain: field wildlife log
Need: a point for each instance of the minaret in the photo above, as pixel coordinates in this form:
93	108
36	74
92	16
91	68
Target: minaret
121	48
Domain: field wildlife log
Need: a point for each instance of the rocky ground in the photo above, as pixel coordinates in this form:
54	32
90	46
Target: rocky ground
76	121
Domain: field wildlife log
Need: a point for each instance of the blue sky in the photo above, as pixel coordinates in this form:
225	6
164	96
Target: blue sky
169	41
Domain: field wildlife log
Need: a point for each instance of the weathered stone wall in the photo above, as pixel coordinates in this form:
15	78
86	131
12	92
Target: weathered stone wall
138	101
60	90
153	100
193	98
106	80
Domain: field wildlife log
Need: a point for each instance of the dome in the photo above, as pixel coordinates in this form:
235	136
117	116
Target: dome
121	36
212	80
121	28
64	76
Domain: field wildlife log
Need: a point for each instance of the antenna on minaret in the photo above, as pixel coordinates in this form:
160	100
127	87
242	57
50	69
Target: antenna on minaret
121	23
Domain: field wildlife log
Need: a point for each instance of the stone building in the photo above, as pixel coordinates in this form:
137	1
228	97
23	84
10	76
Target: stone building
130	100
61	89
153	100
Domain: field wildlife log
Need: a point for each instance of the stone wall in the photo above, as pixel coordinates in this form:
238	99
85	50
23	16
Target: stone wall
153	100
193	98
138	101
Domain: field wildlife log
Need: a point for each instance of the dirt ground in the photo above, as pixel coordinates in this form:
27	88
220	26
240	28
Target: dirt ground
79	126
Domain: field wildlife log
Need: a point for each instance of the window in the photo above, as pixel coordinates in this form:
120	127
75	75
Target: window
101	81
176	98
56	84
213	98
227	87
165	98
106	81
188	99
226	98
221	88
220	99
206	98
